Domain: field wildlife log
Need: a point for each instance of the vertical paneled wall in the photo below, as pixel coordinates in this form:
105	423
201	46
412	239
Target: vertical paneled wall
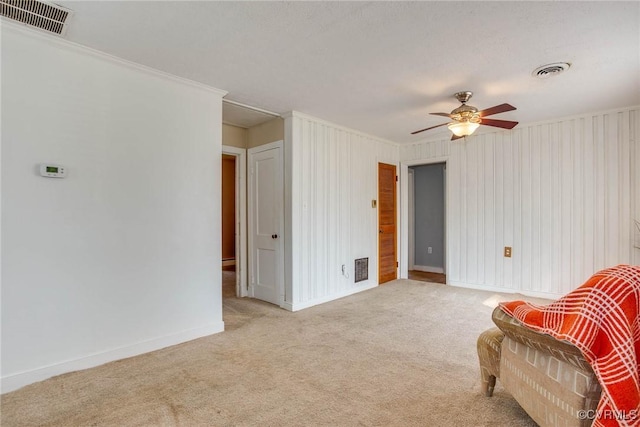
563	194
331	178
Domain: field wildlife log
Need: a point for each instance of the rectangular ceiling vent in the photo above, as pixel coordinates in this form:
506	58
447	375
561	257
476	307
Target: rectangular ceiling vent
46	16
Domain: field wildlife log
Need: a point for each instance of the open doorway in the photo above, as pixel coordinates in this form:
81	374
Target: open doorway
427	222
228	226
233	222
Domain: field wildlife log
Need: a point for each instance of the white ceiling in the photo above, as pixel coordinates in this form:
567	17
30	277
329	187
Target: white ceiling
381	67
244	116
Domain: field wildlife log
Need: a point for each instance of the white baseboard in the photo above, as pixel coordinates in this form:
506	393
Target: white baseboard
21	379
310	303
428	269
535	294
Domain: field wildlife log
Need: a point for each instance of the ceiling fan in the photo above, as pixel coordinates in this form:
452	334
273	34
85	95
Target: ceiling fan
467	118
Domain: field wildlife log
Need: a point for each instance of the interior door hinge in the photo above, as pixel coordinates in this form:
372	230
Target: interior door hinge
396	263
396	178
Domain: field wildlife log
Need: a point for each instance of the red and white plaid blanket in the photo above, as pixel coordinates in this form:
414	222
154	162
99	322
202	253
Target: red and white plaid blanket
602	319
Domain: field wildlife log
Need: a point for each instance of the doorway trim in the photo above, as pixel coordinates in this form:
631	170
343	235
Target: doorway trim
411	252
404	212
241	217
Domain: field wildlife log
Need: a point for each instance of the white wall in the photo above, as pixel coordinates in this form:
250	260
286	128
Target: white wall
635	178
561	193
330	178
122	256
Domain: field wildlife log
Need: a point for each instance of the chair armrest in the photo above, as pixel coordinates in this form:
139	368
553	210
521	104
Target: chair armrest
561	350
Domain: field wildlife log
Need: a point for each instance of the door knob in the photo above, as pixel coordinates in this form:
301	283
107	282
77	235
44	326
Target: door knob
380	231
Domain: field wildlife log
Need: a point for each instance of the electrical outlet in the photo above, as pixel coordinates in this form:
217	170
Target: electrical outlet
507	251
429	250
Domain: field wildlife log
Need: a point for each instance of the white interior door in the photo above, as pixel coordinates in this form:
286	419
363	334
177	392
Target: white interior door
266	223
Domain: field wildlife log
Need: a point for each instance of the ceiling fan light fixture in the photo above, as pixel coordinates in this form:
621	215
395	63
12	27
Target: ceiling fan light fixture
466	118
463	128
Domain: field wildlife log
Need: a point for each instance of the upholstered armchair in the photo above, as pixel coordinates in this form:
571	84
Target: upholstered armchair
549	378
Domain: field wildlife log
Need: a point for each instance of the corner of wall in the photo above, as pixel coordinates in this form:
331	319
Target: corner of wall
234	136
264	133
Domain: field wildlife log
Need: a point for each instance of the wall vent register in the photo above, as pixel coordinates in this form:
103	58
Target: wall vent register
361	270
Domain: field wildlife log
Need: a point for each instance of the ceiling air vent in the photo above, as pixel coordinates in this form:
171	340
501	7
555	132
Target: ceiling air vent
549	70
46	16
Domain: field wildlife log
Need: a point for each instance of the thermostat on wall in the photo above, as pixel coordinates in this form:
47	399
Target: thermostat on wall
52	171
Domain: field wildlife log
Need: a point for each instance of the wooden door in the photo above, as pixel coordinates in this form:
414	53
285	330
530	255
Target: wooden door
387	229
266	223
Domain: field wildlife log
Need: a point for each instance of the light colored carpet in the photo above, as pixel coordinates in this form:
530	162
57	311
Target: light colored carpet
402	354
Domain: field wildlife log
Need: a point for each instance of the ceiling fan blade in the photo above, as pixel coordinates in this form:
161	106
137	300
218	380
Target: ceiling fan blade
495	110
454	137
441	114
504	124
432	127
